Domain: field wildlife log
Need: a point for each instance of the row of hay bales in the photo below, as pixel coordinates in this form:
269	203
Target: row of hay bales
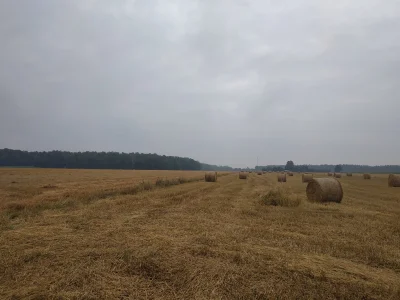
304	178
393	180
319	189
338	175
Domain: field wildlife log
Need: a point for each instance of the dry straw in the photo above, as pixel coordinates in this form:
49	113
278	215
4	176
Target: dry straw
330	174
211	177
307	177
324	190
367	176
349	174
394	180
242	175
282	177
338	175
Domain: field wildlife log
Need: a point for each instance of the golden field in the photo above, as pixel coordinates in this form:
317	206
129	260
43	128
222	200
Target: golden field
114	234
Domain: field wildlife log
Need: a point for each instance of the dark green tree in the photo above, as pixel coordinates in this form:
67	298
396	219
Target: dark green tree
289	165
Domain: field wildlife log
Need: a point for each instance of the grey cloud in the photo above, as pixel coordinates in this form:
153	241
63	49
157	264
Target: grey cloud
220	81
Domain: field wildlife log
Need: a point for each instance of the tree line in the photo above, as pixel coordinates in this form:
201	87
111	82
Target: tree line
95	160
142	161
347	168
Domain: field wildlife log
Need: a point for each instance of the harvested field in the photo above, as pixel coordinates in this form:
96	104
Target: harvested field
79	234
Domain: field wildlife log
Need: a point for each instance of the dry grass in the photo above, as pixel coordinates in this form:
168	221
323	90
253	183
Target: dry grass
194	240
280	197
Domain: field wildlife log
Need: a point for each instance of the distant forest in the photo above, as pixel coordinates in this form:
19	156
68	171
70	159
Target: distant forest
142	161
100	160
332	168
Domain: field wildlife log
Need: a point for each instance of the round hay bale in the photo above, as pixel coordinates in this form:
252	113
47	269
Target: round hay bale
259	173
367	176
330	174
324	190
290	173
242	175
349	174
210	177
307	177
394	180
282	177
337	175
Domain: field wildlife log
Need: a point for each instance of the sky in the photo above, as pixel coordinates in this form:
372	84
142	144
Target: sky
223	82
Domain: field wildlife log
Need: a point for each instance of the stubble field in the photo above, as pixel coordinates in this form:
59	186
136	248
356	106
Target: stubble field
102	234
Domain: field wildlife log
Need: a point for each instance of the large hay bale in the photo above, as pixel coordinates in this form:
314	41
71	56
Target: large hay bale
367	176
282	177
290	173
242	175
337	175
307	177
394	180
324	190
349	174
210	177
330	174
259	173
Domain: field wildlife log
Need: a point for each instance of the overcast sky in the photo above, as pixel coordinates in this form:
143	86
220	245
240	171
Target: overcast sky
220	81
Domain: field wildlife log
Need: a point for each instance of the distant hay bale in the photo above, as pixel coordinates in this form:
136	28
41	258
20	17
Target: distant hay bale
337	175
264	172
259	173
307	177
349	174
394	180
290	173
367	176
324	190
210	177
330	174
242	175
282	177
